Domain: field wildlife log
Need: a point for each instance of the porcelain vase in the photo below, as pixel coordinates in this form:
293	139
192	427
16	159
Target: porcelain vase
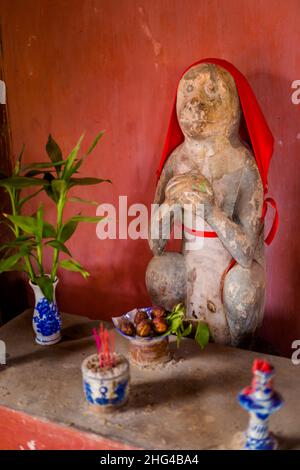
46	320
261	401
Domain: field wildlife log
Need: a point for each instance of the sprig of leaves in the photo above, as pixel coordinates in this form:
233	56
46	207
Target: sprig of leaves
179	327
33	233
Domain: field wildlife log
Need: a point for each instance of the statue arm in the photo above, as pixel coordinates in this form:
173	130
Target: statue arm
157	245
240	235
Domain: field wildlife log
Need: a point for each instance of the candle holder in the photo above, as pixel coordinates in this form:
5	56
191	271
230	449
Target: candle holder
260	400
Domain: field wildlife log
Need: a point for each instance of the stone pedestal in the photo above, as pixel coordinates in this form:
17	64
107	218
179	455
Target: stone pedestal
188	403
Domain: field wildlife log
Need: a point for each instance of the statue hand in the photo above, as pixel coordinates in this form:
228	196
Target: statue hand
190	188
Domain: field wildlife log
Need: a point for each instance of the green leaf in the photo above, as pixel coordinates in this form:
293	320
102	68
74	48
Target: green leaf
187	330
18	162
202	334
54	152
77	165
42	165
177	312
19	266
23	200
46	286
48	230
72	265
59	246
174	316
40	222
86	181
70	226
19	242
68	170
83	218
8	224
180	309
67	230
83	201
48	177
33	173
58	187
178	337
19	182
98	137
7	264
26	223
176	324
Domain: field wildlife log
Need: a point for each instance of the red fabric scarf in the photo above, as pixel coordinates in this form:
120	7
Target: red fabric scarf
254	130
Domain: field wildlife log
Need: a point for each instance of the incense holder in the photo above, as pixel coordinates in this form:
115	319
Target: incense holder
46	320
260	400
144	351
106	388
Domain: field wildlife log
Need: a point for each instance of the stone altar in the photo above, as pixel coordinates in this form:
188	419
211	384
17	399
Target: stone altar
42	404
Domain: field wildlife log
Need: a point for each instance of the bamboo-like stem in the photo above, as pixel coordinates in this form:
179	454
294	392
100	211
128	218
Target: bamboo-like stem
17	233
60	208
39	250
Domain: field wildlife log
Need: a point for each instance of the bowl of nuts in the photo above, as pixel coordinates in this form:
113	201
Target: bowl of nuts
147	330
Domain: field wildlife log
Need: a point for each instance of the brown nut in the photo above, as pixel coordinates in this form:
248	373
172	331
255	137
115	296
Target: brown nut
127	328
139	316
158	312
143	328
160	325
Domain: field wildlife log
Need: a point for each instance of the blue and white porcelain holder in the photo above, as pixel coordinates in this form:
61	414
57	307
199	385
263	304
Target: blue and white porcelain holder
260	400
106	390
46	320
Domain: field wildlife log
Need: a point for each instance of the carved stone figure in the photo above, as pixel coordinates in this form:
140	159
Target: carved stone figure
212	167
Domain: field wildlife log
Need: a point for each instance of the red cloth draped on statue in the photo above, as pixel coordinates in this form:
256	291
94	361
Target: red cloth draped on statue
254	131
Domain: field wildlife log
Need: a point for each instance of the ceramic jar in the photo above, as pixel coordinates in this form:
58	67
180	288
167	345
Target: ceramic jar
107	388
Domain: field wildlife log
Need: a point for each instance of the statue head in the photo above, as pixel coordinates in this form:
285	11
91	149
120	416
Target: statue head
207	102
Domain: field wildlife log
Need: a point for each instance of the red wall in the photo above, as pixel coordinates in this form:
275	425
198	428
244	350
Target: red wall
74	65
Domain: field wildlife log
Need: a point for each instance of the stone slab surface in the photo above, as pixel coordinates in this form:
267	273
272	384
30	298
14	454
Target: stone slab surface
190	403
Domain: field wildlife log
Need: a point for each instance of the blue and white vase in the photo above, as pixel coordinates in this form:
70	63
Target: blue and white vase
46	320
260	400
108	388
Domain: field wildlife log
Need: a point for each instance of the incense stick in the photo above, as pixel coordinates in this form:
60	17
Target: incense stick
105	343
98	345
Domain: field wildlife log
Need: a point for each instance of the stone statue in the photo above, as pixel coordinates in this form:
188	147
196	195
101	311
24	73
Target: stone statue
212	156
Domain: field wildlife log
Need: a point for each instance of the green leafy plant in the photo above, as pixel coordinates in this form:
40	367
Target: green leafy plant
33	234
179	326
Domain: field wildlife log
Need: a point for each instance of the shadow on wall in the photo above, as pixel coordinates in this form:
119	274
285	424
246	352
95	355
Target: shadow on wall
13	297
281	322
